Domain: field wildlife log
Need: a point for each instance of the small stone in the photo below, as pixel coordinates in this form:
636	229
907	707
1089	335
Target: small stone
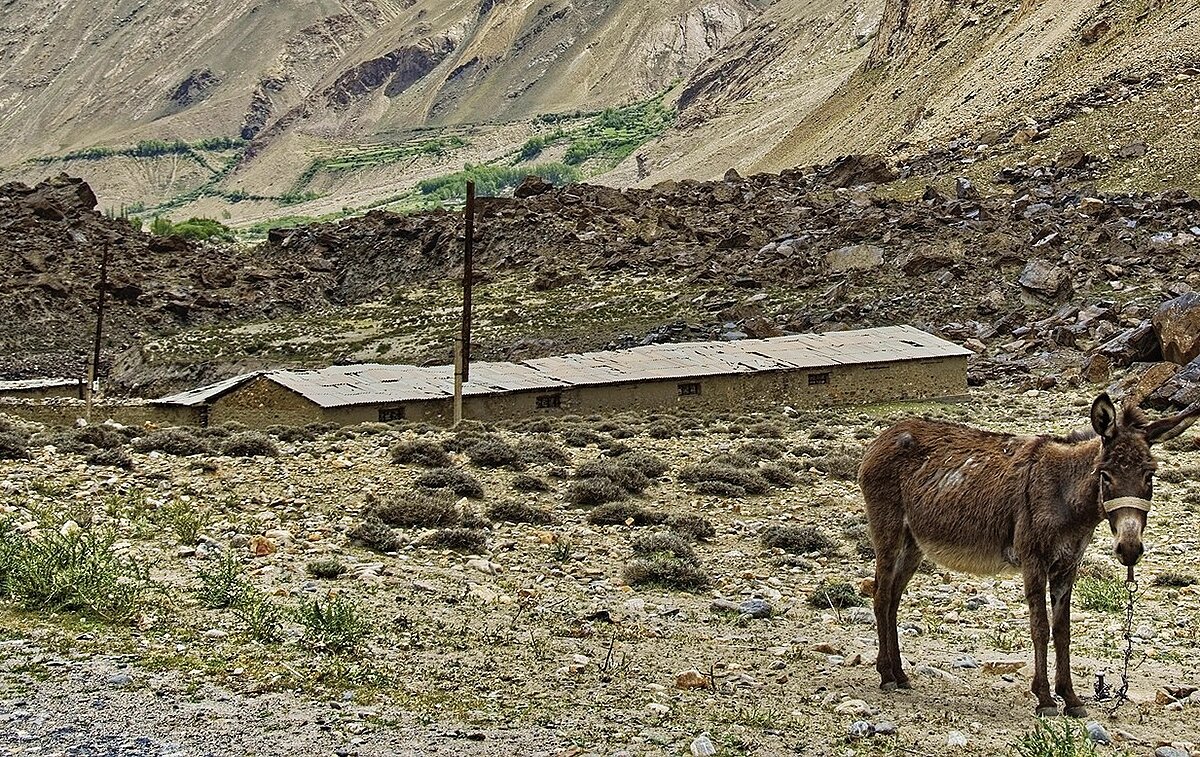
885	728
1170	751
966	662
261	546
702	746
120	679
756	608
724	606
1097	733
860	729
856	707
860	616
956	739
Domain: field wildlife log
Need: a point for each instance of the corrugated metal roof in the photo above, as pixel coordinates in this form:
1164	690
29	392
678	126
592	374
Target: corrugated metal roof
203	394
371	383
25	385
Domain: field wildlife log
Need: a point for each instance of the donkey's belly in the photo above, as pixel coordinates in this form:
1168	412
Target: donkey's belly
983	562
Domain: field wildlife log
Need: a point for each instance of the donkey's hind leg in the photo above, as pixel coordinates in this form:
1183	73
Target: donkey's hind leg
897	556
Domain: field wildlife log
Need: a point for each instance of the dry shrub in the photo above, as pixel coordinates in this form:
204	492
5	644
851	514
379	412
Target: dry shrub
760	450
544	452
172	441
496	453
12	447
664	429
719	489
515	511
580	437
421	452
692	525
624	513
249	444
523	482
374	534
627	477
118	457
839	594
293	433
664	559
463	484
417	510
468	540
796	539
842	464
765	430
650	465
749	481
99	436
778	476
588	492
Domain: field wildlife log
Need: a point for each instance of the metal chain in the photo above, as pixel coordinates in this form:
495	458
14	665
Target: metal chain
1122	694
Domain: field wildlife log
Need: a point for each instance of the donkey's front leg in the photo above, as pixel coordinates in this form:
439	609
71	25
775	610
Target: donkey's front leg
1039	627
1061	584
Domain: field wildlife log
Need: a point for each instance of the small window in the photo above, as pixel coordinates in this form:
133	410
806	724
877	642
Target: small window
389	414
817	379
690	389
549	401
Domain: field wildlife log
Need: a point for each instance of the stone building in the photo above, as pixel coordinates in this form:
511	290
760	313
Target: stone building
36	389
807	370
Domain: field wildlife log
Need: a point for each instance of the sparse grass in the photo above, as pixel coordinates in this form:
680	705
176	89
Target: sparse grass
1055	738
1174	579
374	534
249	444
332	626
797	540
589	492
172	441
1102	593
837	594
262	617
515	511
80	571
326	568
624	514
841	464
417	510
778	476
720	489
117	457
469	540
463	484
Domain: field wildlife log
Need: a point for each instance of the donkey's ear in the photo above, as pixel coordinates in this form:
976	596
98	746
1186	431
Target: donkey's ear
1104	417
1169	428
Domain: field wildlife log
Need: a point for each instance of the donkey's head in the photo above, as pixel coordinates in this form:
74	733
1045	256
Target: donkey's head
1126	468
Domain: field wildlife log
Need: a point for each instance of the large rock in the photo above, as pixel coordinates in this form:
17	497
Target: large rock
1043	283
1177	324
1135	345
532	186
1137	385
854	257
852	170
1181	390
927	259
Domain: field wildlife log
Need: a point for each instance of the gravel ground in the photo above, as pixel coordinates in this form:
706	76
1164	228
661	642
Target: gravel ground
538	644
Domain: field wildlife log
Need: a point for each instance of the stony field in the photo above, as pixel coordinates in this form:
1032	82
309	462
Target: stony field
639	585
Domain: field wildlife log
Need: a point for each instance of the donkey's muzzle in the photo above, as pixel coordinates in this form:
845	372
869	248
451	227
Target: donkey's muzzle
1129	552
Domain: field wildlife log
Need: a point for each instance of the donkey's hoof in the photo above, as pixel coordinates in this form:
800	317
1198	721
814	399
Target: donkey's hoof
889	686
1047	711
904	684
1078	711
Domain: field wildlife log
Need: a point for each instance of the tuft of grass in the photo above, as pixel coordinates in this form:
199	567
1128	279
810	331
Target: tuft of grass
1174	579
326	568
172	441
580	437
262	617
515	511
417	510
759	449
838	594
117	457
331	626
374	534
778	476
797	540
249	444
663	543
421	452
562	549
664	559
543	452
664	429
463	484
589	492
77	571
1051	738
468	540
1102	593
750	481
624	514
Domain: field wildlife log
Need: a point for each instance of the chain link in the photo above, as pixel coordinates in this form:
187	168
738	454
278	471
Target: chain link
1103	691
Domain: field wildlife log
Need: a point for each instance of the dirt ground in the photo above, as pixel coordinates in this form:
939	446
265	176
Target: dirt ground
537	645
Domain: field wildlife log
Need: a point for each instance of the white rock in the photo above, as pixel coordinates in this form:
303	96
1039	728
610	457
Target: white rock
702	746
956	739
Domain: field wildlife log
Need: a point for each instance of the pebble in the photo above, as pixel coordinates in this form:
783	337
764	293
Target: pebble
702	746
885	728
1097	733
692	679
725	605
966	662
856	707
1170	751
861	616
120	679
860	729
956	739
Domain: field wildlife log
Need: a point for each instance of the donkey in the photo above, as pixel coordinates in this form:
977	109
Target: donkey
983	502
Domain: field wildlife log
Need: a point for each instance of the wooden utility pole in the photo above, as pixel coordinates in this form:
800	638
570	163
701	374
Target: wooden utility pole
462	343
94	366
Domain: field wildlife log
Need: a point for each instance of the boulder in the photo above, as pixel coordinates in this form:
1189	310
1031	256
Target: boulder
1044	283
1137	385
1135	345
1097	369
927	259
852	170
532	186
1177	324
1180	390
855	257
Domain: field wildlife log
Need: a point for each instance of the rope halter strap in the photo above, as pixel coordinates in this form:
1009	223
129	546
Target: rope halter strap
1137	503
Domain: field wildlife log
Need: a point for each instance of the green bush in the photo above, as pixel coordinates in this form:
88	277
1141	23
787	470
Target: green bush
262	617
79	571
333	625
223	583
195	229
493	180
664	559
839	594
326	568
1048	738
1102	593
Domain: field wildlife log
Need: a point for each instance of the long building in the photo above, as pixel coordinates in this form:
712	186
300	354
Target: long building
807	370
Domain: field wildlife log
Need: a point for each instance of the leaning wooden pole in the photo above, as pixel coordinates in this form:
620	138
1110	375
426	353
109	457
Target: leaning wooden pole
94	364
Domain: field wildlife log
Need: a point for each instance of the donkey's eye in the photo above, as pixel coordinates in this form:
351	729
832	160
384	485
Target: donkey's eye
1106	478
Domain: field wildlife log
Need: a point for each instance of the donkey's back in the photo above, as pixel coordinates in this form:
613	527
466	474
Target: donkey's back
956	491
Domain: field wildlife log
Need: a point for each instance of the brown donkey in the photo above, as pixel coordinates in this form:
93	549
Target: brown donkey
984	502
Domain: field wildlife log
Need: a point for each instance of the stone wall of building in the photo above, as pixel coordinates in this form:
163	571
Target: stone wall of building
60	412
261	403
